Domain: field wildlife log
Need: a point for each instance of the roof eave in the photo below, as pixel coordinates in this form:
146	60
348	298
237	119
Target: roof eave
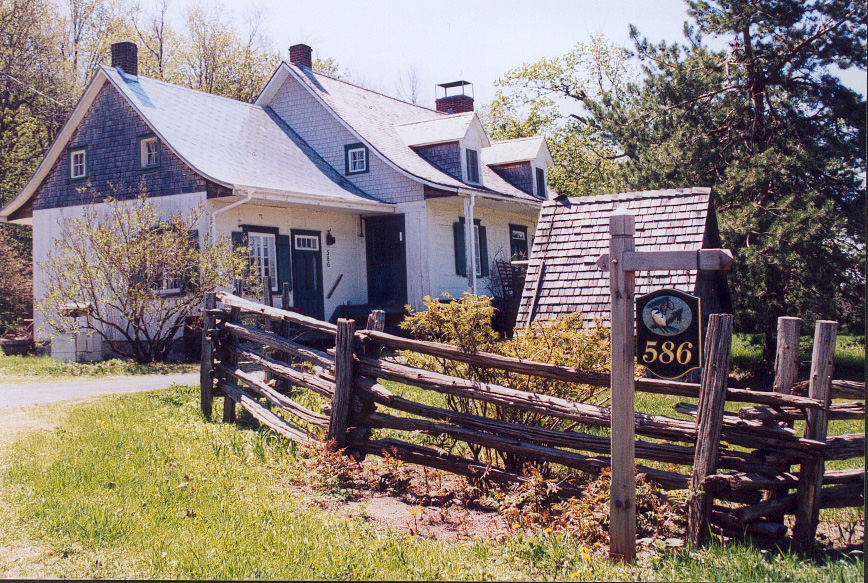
56	149
317	199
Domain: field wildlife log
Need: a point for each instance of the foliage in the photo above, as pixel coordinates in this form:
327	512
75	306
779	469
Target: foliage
218	60
119	262
543	98
16	286
765	122
777	135
466	323
536	504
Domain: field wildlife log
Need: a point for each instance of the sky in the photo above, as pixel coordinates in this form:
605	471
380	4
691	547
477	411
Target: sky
478	41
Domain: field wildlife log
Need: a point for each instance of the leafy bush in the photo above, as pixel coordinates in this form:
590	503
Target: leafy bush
16	286
466	323
137	274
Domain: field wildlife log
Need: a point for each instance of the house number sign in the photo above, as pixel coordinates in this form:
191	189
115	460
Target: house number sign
668	333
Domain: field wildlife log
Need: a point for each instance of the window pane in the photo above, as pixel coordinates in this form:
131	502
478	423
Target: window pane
358	163
540	182
476	250
263	256
78	164
152	153
472	166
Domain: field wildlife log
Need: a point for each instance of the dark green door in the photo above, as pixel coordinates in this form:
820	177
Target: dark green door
307	273
387	260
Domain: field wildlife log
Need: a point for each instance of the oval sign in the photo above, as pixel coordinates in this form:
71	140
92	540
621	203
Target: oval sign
668	334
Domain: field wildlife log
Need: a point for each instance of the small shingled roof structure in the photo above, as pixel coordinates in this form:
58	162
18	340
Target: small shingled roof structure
563	276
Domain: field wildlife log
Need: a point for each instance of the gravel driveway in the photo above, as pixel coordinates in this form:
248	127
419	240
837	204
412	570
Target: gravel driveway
23	395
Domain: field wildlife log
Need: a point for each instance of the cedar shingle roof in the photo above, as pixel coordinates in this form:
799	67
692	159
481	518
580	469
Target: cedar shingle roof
573	233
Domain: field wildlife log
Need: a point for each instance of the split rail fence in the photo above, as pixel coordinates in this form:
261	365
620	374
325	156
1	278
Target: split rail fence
758	475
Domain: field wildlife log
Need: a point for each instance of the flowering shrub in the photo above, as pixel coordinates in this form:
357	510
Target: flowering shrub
466	323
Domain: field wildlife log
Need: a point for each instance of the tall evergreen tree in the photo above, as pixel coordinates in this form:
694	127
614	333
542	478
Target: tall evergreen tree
773	130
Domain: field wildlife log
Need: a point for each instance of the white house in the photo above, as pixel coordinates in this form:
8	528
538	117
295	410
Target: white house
350	196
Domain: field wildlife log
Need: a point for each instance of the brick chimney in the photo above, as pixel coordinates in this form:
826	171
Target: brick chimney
301	55
457	103
126	56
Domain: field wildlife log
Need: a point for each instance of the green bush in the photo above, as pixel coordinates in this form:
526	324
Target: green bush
466	323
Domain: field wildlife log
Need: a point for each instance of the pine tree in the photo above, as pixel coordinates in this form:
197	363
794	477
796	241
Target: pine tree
773	130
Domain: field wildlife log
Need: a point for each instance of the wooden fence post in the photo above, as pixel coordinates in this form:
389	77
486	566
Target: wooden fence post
284	330
376	322
229	414
364	406
787	355
786	375
709	423
268	300
206	371
339	421
622	492
267	295
816	425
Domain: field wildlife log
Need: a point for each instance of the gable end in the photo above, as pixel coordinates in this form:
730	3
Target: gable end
111	131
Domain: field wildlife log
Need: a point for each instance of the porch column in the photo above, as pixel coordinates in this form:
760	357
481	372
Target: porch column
470	238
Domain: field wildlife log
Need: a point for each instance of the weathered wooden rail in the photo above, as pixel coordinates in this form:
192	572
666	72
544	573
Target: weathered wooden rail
355	404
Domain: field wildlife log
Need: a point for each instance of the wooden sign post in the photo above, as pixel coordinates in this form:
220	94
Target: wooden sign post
623	262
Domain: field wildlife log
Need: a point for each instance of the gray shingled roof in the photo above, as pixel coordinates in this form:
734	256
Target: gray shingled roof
375	117
573	233
233	142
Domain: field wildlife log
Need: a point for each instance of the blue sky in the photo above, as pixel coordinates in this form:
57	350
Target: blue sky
448	40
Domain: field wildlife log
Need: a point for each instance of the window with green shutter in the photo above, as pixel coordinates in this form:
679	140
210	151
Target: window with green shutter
481	248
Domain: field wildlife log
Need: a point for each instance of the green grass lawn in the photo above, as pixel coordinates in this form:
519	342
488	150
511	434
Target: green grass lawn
140	486
750	371
22	369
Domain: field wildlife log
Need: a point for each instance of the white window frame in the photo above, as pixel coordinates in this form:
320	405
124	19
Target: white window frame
477	250
263	256
168	283
149	158
306	242
78	163
357	160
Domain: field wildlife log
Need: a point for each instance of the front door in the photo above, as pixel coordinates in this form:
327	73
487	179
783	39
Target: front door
307	273
387	260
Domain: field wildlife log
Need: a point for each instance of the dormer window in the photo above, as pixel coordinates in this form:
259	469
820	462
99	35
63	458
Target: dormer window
149	152
472	158
356	158
78	163
540	183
